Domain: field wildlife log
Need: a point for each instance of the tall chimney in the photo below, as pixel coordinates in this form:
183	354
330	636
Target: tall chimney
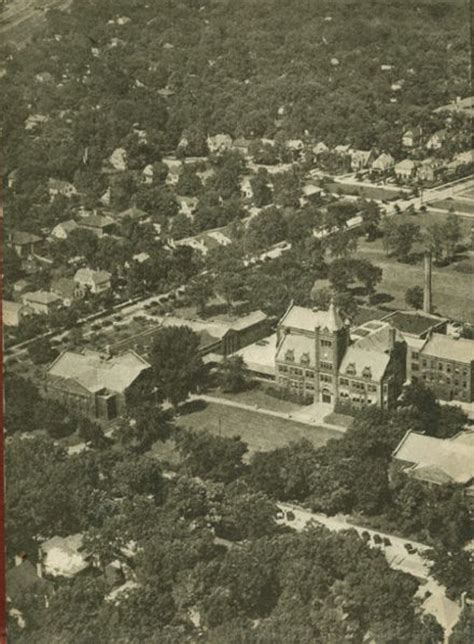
427	300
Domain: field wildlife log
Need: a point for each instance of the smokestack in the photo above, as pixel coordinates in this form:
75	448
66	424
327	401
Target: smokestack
427	300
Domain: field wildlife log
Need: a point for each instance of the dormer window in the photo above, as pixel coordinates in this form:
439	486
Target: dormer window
367	372
351	370
290	355
305	359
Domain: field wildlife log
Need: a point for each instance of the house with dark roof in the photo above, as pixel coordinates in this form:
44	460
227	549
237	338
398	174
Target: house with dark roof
24	244
95	384
26	580
412	137
64	229
100	225
67	289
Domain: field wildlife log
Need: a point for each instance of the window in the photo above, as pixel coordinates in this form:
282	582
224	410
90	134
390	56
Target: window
464	384
367	372
309	374
371	388
414	355
326	343
282	369
448	381
326	365
344	394
309	385
424	363
324	378
448	368
344	382
305	358
351	370
290	355
414	366
440	366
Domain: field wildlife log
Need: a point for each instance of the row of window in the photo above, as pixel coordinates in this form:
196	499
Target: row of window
357	399
440	366
344	382
441	380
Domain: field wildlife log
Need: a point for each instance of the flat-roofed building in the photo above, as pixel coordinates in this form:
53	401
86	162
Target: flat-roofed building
445	364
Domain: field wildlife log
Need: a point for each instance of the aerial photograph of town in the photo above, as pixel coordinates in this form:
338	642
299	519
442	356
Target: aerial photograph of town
238	321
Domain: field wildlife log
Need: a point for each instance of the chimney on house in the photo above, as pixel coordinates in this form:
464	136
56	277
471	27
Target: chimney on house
427	299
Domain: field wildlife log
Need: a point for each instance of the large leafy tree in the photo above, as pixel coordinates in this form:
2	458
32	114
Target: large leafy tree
177	364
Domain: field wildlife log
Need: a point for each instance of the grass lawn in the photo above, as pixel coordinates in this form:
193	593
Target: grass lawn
260	398
370	192
452	290
260	432
459	206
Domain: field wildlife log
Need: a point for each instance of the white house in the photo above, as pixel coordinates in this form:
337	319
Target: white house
64	188
435	142
383	162
64	229
96	281
118	159
406	169
219	143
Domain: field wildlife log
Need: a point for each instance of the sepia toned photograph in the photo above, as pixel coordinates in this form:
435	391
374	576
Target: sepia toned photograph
238	321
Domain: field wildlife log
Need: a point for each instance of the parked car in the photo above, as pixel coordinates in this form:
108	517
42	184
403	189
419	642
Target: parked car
290	516
365	536
386	541
377	539
409	548
280	514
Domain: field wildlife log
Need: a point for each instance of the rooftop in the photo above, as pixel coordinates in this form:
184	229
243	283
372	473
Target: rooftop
96	221
41	297
260	356
413	323
437	460
94	371
87	275
20	238
300	317
300	347
449	348
63	556
365	363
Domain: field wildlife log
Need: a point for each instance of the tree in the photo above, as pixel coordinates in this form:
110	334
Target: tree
199	291
265	230
245	515
232	375
189	184
215	457
177	365
399	239
371	218
368	274
434	240
452	235
453	570
262	192
414	297
41	351
463	631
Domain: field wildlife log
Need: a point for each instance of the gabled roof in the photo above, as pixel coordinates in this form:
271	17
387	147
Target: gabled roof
300	347
85	275
20	238
361	363
64	287
249	320
41	297
437	460
406	164
63	556
300	317
67	226
96	221
95	372
133	213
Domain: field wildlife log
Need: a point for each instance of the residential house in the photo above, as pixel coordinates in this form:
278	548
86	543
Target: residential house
445	364
100	225
436	140
412	137
133	213
242	145
383	163
95	281
361	159
405	169
67	289
320	148
437	461
465	158
147	174
316	358
41	302
20	287
311	194
64	556
95	384
118	159
34	121
25	580
63	188
219	143
24	244
429	170
343	150
64	229
187	205
174	170
14	312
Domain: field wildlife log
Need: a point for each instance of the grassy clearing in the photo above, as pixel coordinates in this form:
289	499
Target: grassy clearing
259	398
369	192
452	290
459	206
260	432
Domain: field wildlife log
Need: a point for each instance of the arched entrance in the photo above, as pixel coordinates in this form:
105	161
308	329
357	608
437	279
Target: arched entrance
326	396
